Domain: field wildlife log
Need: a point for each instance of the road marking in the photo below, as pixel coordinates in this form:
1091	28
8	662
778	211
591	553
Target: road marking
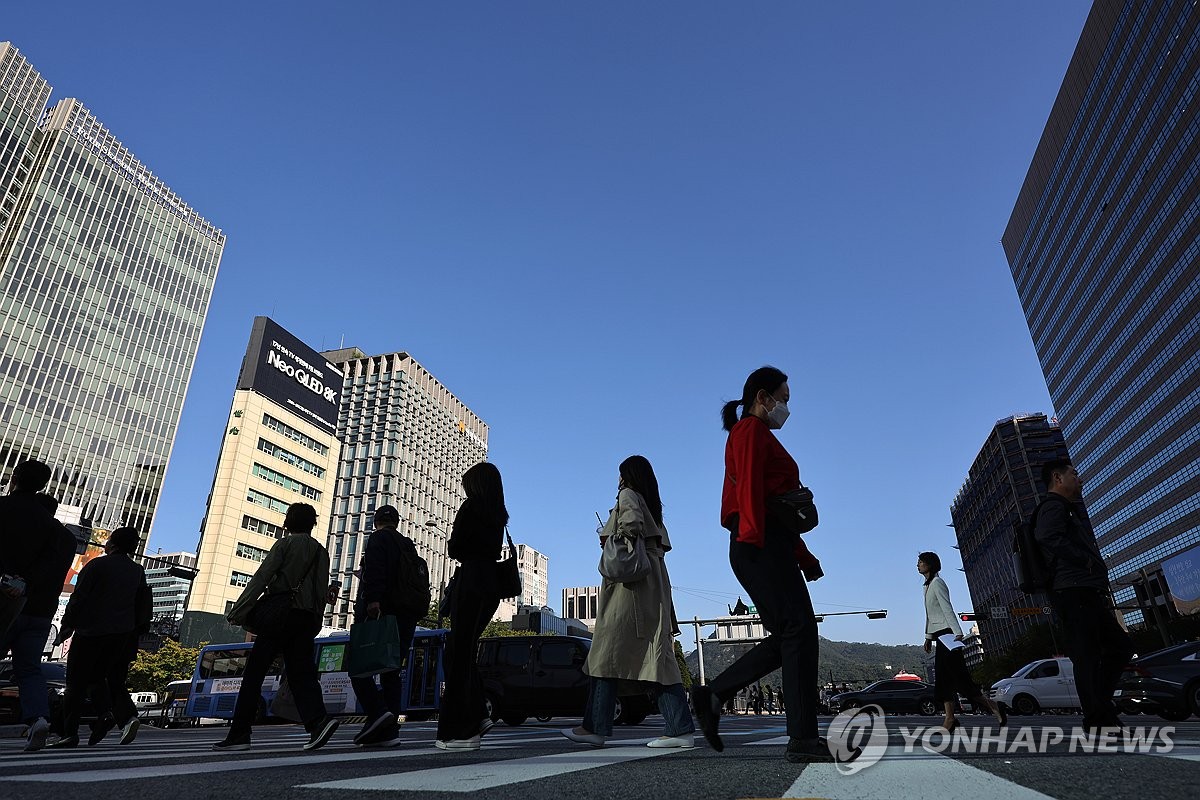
938	776
134	773
775	740
487	775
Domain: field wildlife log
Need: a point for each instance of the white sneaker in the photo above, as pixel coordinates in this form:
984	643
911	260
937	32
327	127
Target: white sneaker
687	740
38	732
458	744
129	732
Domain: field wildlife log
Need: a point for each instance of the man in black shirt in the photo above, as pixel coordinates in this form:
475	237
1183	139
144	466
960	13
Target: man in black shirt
1097	645
36	547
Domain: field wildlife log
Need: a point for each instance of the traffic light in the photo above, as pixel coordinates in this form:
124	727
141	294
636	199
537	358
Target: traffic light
967	617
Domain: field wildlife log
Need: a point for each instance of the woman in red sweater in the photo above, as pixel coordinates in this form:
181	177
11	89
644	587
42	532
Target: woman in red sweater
771	564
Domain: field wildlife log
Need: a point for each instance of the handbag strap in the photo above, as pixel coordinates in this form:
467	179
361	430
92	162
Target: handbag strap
512	549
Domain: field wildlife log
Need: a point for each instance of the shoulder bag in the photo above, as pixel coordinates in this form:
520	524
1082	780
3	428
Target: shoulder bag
269	615
508	572
624	558
795	509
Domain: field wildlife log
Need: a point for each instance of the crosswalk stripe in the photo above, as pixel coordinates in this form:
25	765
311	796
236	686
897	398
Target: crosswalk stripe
96	775
938	776
773	740
487	775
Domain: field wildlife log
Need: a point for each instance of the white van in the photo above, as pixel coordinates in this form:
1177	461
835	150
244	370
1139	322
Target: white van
1044	684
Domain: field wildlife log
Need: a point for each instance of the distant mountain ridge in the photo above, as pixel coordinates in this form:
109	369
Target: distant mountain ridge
839	662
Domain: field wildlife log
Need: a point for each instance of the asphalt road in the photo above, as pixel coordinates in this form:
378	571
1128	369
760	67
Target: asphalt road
535	761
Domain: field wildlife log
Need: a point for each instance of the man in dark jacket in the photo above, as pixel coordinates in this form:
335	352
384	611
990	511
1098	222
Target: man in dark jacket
1097	645
377	596
53	548
110	606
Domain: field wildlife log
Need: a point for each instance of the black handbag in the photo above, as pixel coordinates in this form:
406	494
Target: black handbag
508	572
269	615
795	510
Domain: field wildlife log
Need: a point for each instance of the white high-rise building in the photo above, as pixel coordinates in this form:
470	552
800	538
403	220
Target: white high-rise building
581	603
406	442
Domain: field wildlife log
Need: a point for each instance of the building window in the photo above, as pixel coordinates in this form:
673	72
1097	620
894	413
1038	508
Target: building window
279	479
295	435
266	501
239	579
259	526
288	457
249	551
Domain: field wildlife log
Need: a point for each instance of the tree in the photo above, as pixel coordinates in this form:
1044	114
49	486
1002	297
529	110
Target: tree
151	672
683	667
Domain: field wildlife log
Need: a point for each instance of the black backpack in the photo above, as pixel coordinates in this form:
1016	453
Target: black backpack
410	594
1029	563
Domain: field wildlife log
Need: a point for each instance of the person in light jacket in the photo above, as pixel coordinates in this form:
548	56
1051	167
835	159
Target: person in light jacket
951	677
633	645
297	561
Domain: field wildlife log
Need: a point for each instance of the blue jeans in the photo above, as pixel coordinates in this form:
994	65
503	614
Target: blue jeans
26	638
602	704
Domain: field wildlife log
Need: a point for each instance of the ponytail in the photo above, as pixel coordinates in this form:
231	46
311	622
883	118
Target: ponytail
765	379
729	414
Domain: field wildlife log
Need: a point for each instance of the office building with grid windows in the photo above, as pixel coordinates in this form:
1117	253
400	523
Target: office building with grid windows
407	440
1103	244
105	281
581	603
1002	488
279	447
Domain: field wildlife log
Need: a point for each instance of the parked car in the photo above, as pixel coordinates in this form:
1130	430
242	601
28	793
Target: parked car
1165	682
56	687
1043	684
542	677
893	696
169	711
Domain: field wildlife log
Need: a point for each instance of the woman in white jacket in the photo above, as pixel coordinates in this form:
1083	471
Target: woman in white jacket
951	677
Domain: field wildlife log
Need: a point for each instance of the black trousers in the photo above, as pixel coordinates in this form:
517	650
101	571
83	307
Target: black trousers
1098	647
295	642
97	667
777	587
471	609
950	674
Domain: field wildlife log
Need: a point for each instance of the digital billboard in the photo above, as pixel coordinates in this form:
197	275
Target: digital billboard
1183	579
288	372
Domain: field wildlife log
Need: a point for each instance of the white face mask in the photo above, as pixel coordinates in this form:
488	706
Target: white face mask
778	415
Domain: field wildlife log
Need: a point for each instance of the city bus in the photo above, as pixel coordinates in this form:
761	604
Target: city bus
217	678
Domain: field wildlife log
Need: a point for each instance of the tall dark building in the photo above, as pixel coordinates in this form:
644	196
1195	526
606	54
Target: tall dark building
1103	244
1001	491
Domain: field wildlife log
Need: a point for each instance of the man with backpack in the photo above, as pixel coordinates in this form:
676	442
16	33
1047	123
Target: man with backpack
1078	589
394	582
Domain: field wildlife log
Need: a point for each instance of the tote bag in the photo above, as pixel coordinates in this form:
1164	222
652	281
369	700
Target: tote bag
508	572
375	647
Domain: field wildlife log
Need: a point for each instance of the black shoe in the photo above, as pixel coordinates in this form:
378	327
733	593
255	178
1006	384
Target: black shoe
233	743
99	730
804	751
708	714
64	743
373	727
320	735
485	725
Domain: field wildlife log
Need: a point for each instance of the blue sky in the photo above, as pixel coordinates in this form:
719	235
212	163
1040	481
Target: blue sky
592	220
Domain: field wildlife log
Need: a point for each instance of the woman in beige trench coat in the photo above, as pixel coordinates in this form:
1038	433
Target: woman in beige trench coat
633	645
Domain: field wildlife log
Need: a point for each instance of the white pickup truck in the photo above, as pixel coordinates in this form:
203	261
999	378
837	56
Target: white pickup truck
1043	684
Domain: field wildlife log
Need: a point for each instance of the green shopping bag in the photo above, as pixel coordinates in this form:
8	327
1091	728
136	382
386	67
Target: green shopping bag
375	647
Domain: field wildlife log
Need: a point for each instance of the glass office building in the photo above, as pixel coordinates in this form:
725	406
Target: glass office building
105	281
406	442
1002	488
1103	244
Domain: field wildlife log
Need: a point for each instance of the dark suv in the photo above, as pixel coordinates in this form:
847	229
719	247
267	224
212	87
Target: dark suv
542	677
